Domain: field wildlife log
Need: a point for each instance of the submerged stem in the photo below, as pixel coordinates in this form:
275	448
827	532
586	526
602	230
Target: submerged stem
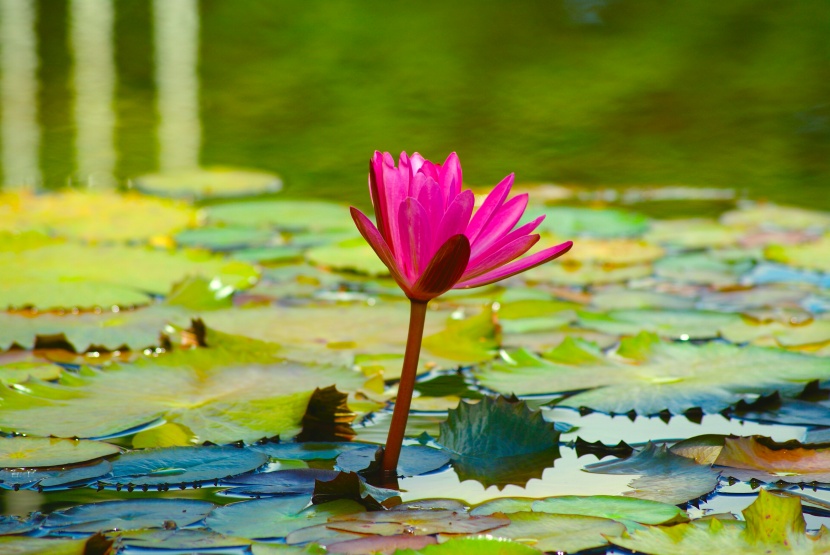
397	429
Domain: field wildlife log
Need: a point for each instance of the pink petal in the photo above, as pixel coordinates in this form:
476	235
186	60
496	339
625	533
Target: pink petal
526	229
378	193
518	266
395	187
512	250
501	223
416	238
492	203
450	178
456	218
375	240
444	270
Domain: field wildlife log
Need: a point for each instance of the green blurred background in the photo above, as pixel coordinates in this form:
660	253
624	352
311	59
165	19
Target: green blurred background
723	93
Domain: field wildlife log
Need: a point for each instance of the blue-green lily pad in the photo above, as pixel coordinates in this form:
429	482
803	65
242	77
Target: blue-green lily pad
128	515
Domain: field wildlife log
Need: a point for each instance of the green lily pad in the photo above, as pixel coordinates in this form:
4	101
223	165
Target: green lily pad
275	517
417	522
656	375
261	400
199	293
774	524
671	324
53	478
692	234
470	340
616	297
566	273
20	371
193	540
225	238
559	532
744	330
42	546
128	515
34	452
499	441
287	215
132	329
702	269
617	252
776	216
811	256
182	465
211	182
354	255
473	545
661	475
83	276
569	221
94	216
621	509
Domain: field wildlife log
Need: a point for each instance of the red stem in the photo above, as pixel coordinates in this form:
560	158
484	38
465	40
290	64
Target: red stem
397	429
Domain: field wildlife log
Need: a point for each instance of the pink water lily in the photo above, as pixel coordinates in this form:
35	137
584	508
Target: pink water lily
432	240
428	235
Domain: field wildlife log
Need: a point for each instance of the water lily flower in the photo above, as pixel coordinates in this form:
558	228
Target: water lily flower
431	240
429	237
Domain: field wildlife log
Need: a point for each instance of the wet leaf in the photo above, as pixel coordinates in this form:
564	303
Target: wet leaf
414	459
128	515
286	215
275	517
663	476
54	478
658	375
261	400
199	293
470	340
621	509
559	532
182	465
211	182
94	216
763	459
671	324
166	435
308	451
11	525
34	452
774	525
348	485
498	441
279	482
85	276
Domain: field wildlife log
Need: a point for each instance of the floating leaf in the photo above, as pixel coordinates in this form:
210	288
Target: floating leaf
128	515
193	540
621	509
42	546
353	254
94	216
288	215
663	476
414	459
766	460
701	268
474	545
810	333
199	293
618	297
34	452
380	544
84	276
226	238
10	525
275	517
261	400
672	324
471	340
348	485
618	252
774	524
53	478
166	435
210	182
498	441
279	482
565	273
417	523
692	234
182	465
559	532
672	376
308	451
569	221
775	216
812	256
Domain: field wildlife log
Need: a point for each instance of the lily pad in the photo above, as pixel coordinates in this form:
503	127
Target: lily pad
775	216
275	517
570	221
763	459
84	276
261	400
474	545
53	478
209	183
414	459
617	252
307	451
498	441
559	532
34	452
287	215
42	546
470	340
692	234
182	465
621	509
662	475
702	269
94	216
354	255
811	256
128	515
293	481
417	523
672	324
657	375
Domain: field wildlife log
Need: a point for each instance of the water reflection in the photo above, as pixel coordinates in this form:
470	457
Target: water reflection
91	39
176	24
18	93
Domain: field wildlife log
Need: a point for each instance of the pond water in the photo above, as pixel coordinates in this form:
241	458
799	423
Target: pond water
587	92
651	133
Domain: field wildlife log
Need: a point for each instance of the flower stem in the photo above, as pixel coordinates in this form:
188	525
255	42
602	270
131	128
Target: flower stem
397	429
